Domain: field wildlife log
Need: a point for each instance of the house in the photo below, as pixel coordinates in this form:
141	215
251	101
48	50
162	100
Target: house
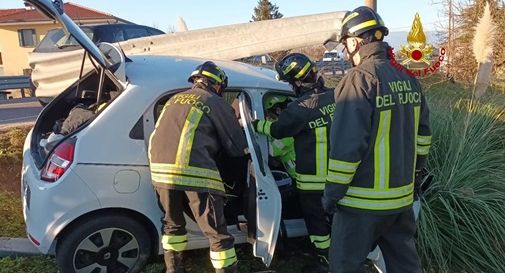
21	30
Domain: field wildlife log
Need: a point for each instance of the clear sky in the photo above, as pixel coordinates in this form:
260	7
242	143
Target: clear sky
397	15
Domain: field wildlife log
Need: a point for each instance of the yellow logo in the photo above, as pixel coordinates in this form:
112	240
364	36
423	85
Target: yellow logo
417	50
417	54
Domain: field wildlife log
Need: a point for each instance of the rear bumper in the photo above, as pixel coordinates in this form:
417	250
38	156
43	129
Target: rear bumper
49	207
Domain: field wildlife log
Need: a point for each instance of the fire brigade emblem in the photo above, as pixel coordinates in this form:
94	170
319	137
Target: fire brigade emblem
417	52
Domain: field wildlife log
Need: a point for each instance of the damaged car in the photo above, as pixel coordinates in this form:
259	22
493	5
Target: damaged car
86	185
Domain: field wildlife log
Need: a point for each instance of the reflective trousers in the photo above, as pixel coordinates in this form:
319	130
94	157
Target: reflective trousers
316	221
355	234
208	211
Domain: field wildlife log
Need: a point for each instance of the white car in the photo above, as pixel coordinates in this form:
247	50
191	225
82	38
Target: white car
89	199
332	56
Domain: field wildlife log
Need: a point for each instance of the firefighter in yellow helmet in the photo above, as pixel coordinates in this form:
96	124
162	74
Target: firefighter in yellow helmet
194	127
283	149
308	121
380	138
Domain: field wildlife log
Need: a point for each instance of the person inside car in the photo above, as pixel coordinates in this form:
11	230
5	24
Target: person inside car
308	121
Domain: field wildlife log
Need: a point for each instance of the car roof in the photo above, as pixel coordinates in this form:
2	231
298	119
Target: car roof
171	72
105	26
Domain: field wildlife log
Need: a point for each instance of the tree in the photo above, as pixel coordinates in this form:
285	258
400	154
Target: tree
466	14
265	10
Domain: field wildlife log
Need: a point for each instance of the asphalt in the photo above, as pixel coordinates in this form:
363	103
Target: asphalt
18	112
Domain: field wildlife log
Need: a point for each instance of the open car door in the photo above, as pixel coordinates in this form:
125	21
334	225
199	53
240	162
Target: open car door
264	198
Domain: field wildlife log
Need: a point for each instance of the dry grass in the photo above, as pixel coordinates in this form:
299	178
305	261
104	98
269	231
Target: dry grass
11	144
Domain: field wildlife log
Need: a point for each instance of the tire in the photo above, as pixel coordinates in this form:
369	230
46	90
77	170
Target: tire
84	249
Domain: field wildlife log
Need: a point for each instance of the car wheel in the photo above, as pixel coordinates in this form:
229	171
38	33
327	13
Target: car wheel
107	244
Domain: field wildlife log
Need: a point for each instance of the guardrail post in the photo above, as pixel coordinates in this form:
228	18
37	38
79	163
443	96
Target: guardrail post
14	82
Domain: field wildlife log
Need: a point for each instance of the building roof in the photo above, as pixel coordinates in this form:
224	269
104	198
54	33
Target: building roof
74	11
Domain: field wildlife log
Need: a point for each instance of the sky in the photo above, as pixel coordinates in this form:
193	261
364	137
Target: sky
398	15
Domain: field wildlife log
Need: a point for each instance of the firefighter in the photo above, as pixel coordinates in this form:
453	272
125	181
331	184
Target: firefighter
308	121
380	137
283	149
194	127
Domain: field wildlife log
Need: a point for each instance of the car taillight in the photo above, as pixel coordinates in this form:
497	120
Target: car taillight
59	161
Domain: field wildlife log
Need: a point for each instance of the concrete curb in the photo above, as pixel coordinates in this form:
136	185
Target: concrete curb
18	100
15	247
4	127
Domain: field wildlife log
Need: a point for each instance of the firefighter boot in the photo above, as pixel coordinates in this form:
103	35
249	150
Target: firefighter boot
174	262
230	269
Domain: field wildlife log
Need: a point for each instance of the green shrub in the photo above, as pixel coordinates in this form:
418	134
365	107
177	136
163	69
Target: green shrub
462	225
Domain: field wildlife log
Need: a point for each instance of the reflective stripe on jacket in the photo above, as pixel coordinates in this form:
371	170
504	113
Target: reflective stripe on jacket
193	128
308	121
285	150
379	135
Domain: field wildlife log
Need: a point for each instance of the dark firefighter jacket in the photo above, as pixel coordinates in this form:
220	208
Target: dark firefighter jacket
380	133
308	121
193	128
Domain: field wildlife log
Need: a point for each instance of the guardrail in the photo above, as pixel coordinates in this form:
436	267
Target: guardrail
14	82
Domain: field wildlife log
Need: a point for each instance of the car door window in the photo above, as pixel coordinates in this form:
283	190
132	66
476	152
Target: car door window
118	35
135	32
154	31
137	132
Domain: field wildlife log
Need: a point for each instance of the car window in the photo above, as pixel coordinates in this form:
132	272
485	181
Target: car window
135	32
119	35
50	40
331	55
68	40
158	107
137	132
154	31
104	34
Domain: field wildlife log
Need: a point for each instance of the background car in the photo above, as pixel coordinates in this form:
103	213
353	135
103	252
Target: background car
57	41
330	56
264	60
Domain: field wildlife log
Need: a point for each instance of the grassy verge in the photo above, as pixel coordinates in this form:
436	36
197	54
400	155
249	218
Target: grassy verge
462	225
11	145
197	262
11	216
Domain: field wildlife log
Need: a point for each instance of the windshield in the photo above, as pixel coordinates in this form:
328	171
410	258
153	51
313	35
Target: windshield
68	40
56	39
331	55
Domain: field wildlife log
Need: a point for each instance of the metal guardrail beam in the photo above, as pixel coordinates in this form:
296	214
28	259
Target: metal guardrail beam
14	82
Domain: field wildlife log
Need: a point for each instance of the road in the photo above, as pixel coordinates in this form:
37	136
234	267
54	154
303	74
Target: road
18	112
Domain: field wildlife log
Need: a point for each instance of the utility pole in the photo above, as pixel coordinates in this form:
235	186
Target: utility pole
372	4
450	38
